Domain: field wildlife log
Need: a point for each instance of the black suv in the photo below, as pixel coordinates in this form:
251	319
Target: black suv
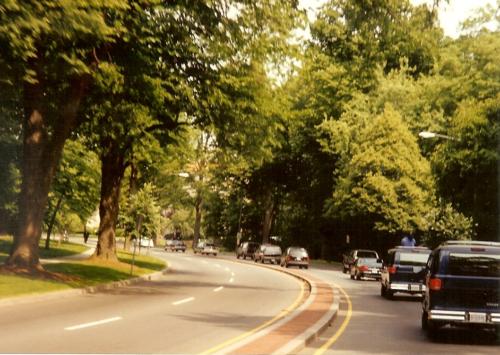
404	271
463	286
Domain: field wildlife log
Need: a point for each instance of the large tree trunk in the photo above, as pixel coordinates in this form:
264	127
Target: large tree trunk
113	168
268	216
41	154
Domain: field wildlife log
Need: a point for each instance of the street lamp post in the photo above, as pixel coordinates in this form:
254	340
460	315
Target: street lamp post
427	134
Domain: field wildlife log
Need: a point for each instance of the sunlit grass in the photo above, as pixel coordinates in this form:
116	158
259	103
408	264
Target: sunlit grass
11	286
320	262
141	261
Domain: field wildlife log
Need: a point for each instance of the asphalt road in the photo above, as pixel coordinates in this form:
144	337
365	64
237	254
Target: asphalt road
380	326
204	302
201	303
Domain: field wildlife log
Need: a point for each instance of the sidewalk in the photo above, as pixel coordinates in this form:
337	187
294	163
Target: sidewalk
81	256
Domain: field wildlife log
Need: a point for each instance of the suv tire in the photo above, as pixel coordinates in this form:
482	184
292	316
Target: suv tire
382	290
429	326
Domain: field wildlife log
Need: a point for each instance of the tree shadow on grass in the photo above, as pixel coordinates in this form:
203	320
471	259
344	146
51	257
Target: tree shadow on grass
87	275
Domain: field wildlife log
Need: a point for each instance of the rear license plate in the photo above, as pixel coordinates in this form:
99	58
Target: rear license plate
414	287
375	271
477	317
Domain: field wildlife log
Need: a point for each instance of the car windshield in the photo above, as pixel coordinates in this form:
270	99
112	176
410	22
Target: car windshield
463	264
366	254
298	252
372	262
409	258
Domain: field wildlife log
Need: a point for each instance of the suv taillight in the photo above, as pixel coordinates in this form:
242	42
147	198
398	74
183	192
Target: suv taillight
434	284
391	269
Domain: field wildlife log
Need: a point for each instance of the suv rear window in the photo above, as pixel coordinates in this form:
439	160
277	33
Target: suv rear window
465	264
413	258
366	254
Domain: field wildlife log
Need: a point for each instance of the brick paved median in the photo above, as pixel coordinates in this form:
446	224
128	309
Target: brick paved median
308	317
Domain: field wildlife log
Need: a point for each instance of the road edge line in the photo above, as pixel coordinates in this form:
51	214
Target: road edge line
266	327
342	327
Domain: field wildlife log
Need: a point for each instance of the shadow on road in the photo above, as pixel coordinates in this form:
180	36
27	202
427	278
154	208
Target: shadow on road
167	286
466	336
226	320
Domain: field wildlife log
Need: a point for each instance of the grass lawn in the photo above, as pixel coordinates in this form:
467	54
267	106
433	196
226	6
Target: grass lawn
326	263
79	273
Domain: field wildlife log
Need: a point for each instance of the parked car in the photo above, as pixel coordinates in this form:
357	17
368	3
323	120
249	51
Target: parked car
463	286
404	271
366	268
349	258
145	242
198	247
175	245
246	249
295	256
206	248
268	252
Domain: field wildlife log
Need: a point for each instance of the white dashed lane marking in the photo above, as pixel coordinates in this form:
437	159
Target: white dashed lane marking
185	300
93	324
